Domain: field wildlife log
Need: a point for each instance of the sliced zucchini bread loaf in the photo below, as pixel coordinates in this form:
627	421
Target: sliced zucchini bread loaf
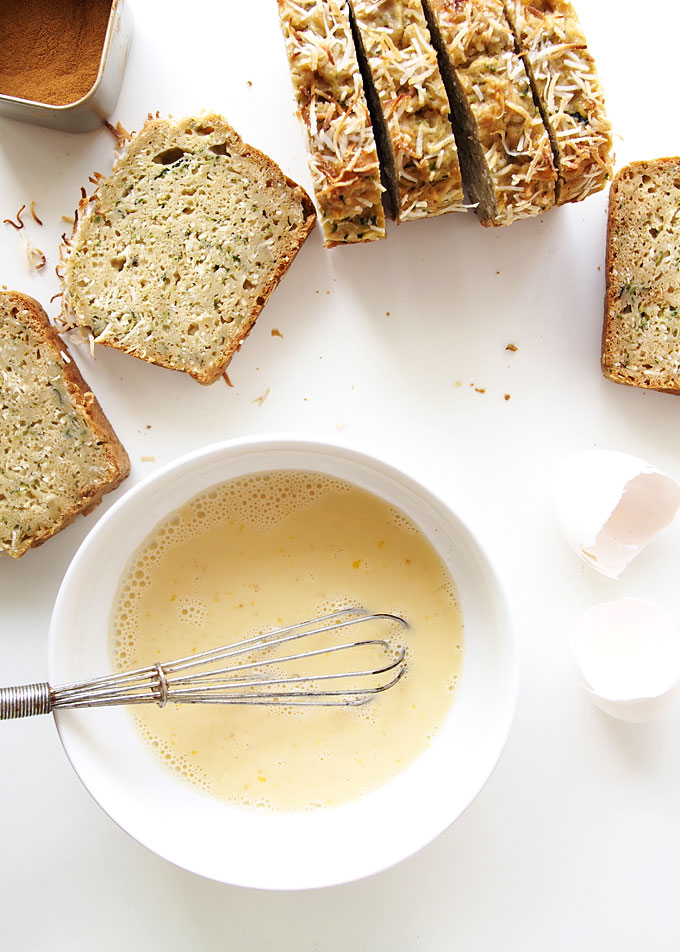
568	92
641	332
505	151
175	254
329	91
409	108
60	454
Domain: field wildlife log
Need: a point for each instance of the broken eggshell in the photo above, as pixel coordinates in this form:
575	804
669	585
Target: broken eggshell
628	652
610	505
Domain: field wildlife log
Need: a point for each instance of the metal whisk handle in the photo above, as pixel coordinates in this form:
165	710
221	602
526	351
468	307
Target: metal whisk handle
25	700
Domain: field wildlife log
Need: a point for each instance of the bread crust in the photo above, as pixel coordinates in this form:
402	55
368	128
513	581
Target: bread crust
641	325
168	341
567	89
505	151
115	460
332	106
409	107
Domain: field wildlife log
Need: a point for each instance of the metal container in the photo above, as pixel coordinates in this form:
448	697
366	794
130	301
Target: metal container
91	110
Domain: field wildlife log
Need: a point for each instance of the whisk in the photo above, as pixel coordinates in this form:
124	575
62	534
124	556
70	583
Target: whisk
198	679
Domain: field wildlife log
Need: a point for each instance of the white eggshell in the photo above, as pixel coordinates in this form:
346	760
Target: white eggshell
628	652
609	505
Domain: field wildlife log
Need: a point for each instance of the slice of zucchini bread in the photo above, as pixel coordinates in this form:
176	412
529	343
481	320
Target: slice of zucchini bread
60	454
409	108
563	75
175	254
504	148
329	91
641	331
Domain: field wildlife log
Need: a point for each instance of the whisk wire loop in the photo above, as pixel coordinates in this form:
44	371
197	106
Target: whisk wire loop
236	683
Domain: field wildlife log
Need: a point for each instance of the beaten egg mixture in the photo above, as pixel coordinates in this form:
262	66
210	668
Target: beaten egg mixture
268	550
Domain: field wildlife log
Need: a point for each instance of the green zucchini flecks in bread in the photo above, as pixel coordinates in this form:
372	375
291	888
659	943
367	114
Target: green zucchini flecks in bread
641	331
60	454
175	254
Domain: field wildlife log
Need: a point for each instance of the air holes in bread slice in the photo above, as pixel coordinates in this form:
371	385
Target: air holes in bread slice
169	156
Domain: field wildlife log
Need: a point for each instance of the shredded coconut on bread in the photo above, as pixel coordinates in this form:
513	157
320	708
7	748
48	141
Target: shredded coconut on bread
568	92
504	147
641	331
409	107
60	454
329	91
176	252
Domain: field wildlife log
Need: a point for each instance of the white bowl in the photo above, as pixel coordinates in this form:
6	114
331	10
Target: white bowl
282	850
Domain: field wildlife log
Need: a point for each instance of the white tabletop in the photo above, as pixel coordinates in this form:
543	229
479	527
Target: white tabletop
398	347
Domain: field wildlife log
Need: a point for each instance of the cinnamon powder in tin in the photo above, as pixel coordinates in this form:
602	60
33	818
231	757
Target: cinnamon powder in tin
50	50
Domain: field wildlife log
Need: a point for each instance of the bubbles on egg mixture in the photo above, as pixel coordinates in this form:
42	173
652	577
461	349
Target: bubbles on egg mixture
180	765
191	610
361	548
260	500
402	520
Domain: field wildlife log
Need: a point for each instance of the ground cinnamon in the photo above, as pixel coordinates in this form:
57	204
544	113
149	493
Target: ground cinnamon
50	50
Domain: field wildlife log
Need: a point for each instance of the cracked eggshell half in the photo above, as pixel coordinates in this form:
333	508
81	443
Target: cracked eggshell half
609	505
628	652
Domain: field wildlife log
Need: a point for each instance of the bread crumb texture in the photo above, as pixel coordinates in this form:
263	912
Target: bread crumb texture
641	342
60	454
176	252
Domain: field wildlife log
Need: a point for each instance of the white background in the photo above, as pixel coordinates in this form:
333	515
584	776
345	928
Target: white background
575	841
